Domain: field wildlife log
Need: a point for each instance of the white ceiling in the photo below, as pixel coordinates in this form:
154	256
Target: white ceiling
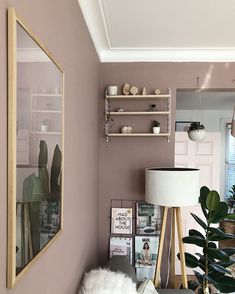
212	100
161	30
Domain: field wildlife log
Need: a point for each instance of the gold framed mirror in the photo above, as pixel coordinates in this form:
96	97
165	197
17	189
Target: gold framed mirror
35	148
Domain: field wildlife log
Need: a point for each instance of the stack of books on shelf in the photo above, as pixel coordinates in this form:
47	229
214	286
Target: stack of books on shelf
137	238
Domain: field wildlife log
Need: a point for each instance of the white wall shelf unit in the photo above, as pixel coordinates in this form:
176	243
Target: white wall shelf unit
110	114
45	109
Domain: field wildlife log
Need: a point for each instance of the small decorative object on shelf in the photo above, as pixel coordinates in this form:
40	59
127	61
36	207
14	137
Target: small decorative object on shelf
44	126
144	92
126	130
156	127
112	90
120	109
134	90
126	89
157	92
153	107
196	132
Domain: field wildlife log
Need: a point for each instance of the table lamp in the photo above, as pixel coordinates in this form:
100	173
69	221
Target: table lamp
172	188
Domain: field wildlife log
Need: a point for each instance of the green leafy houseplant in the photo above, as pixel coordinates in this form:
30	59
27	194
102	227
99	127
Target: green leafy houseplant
213	261
155	124
231	198
196	126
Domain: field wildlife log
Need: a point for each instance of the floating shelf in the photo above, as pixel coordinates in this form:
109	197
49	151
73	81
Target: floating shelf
133	97
46	95
138	135
45	133
138	112
46	111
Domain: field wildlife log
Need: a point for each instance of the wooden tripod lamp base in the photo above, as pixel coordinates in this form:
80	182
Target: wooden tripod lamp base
172	188
175	215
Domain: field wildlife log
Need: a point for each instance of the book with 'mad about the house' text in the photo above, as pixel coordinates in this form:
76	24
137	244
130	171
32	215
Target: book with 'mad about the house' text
121	246
121	222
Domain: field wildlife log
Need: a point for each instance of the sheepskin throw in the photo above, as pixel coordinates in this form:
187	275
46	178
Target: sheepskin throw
103	281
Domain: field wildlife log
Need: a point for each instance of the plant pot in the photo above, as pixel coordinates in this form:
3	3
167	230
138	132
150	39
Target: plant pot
197	135
156	130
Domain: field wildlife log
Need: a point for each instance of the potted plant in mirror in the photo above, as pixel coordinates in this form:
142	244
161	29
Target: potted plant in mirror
212	261
231	199
156	127
196	131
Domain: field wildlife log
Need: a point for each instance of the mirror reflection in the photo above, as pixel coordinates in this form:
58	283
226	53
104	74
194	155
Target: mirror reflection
215	155
38	149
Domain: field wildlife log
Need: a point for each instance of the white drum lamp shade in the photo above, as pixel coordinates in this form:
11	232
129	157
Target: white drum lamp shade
172	187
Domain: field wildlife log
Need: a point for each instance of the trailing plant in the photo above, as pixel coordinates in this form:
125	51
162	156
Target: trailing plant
196	126
155	124
212	261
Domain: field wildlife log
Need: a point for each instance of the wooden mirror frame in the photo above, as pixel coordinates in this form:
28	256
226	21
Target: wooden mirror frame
13	20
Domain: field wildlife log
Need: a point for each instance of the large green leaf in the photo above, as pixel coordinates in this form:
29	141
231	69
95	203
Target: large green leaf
212	200
204	191
225	284
199	221
217	254
55	174
194	240
229	250
193	232
219	268
220	213
191	260
231	216
44	178
216	231
43	154
199	277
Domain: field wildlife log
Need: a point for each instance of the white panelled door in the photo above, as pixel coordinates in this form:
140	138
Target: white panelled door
204	155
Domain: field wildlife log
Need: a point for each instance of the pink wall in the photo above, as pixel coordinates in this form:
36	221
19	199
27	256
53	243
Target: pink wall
60	26
122	161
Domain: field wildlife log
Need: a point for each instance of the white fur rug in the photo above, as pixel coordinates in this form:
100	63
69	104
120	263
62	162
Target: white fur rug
102	281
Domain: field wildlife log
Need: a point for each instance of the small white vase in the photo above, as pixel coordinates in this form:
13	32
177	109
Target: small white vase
156	130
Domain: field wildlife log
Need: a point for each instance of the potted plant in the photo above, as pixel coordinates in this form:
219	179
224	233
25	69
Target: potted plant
196	131
156	127
231	199
212	261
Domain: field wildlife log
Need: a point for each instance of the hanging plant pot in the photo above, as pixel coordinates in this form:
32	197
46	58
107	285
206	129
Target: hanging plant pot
196	132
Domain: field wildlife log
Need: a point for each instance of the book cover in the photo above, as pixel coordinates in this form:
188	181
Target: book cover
148	219
146	251
121	246
121	221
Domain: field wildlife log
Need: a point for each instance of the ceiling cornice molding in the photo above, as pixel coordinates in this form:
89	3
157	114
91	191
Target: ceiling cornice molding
168	55
94	15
